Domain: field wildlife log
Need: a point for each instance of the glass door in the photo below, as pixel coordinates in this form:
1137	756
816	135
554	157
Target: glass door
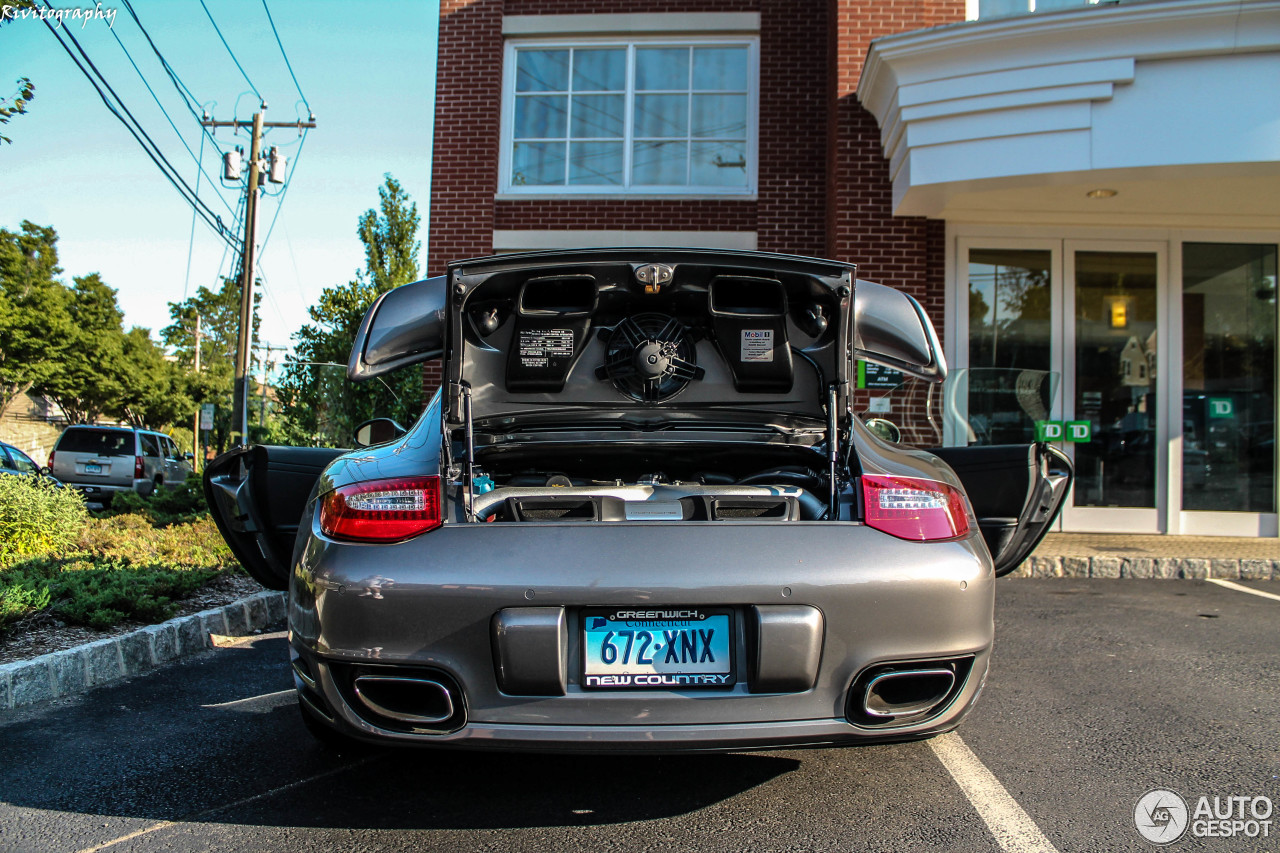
1226	382
1114	385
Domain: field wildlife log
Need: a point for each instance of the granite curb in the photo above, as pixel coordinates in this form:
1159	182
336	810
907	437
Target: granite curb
1196	568
72	671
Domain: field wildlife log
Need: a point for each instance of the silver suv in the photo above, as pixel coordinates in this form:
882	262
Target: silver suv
100	461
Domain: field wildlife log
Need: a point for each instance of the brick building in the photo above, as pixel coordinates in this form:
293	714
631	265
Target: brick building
1010	163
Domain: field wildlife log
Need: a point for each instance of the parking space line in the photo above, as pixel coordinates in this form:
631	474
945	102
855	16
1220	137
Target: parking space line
1012	827
291	691
165	824
1241	588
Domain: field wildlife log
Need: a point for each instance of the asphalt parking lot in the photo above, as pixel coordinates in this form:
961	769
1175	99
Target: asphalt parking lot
1100	691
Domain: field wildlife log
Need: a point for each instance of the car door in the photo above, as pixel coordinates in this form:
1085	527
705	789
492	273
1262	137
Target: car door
1016	491
174	467
257	496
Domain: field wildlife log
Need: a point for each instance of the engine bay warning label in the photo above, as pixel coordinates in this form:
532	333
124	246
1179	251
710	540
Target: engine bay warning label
537	347
757	345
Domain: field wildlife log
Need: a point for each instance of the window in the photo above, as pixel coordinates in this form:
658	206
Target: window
638	117
103	442
149	445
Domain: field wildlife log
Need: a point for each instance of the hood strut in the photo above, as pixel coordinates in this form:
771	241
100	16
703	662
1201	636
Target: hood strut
833	455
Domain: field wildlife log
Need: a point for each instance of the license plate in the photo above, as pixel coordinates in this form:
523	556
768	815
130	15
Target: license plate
627	648
92	468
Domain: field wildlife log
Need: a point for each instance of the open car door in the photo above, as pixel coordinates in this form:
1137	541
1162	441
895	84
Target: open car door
1016	490
256	496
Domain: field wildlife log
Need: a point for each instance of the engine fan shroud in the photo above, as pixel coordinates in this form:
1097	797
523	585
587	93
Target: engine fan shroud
650	357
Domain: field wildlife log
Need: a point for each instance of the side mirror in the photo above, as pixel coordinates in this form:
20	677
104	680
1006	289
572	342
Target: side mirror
189	456
403	326
890	328
46	471
885	429
378	431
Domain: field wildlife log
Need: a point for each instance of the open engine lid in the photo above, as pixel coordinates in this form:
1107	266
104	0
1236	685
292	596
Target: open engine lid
647	336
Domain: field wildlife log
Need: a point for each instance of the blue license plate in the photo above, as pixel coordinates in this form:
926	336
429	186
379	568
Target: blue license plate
92	468
672	648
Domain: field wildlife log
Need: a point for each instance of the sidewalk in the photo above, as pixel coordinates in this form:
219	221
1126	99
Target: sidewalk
1117	555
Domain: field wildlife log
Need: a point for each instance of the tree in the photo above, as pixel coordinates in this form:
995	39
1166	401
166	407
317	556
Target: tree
219	313
153	390
34	322
317	399
15	104
87	383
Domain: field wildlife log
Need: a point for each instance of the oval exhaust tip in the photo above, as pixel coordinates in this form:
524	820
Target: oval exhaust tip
409	700
906	693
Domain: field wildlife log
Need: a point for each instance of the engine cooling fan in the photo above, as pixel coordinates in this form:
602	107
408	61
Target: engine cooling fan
650	358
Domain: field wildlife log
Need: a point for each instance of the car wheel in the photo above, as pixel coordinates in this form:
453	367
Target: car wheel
105	500
330	738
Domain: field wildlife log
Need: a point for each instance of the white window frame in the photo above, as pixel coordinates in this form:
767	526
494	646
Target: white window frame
506	146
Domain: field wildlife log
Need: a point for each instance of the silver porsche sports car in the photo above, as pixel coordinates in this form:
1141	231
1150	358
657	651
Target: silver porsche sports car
639	516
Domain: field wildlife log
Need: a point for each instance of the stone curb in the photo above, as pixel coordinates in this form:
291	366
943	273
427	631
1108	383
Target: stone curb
71	671
1197	568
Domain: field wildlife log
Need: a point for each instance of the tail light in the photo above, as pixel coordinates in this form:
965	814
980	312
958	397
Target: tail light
51	452
382	510
138	470
914	508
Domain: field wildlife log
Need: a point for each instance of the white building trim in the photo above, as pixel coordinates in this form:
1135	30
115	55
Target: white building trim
516	241
631	23
1157	92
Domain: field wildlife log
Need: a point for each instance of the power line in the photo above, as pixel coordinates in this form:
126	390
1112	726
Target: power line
212	219
229	51
188	99
284	191
199	161
191	240
285	55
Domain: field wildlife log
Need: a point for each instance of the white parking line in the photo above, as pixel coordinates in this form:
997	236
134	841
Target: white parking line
290	692
165	824
1241	588
1014	830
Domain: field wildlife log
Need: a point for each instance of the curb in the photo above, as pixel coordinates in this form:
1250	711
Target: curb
73	671
1195	568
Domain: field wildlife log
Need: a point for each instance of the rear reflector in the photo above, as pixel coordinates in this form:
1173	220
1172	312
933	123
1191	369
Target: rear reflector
382	510
914	508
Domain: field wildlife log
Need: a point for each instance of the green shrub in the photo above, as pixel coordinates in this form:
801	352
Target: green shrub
165	506
37	517
121	568
103	593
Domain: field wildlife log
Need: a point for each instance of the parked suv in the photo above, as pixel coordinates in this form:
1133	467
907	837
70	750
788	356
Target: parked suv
100	461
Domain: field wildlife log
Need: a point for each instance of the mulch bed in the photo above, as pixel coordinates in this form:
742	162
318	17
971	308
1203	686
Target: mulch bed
43	632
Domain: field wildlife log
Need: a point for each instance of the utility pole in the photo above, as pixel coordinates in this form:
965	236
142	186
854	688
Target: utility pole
267	364
196	456
240	406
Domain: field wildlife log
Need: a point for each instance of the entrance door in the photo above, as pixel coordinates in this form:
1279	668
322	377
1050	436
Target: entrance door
1115	377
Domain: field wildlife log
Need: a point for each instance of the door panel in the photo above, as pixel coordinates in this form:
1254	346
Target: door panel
256	496
1112	347
1016	491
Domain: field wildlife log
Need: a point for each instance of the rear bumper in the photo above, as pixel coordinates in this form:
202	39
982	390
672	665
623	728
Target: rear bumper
431	603
91	490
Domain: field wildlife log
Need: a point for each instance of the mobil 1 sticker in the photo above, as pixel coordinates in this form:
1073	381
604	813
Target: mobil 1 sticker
538	347
757	345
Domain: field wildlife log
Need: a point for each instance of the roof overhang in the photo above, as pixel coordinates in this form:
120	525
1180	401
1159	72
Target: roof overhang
1175	104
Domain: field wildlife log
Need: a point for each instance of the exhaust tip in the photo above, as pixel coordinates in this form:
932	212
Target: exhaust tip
904	693
907	693
406	699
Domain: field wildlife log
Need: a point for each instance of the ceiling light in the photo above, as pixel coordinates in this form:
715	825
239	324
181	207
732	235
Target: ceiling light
1101	193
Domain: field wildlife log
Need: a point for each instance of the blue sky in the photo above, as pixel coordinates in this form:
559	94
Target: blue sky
367	70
